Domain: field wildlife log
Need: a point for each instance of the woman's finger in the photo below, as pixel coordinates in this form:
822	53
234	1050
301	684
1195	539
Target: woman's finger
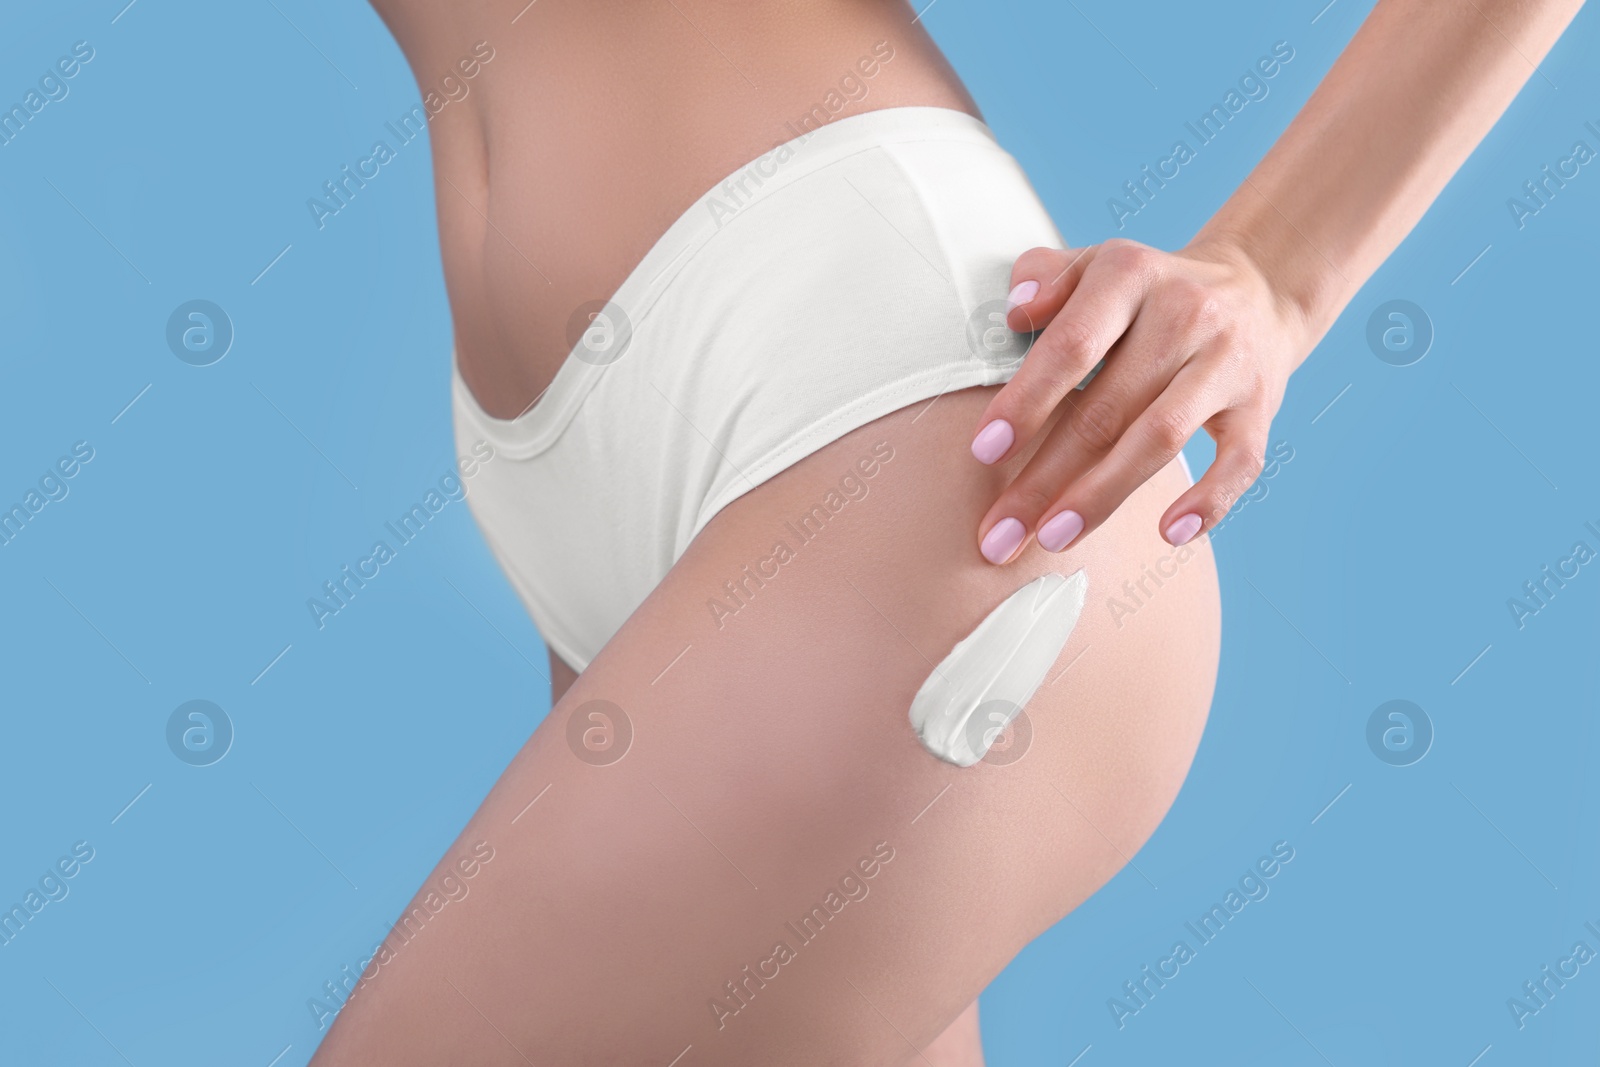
1101	308
1139	369
1241	435
1153	440
1041	281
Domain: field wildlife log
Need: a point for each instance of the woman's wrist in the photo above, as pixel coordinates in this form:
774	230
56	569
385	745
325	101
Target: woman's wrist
1306	286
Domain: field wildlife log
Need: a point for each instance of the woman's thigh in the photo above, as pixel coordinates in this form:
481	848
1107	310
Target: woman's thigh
775	871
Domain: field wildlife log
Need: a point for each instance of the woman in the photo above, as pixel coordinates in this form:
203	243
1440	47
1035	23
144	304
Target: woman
727	281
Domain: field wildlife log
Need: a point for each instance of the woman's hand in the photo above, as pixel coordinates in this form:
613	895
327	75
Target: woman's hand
1194	339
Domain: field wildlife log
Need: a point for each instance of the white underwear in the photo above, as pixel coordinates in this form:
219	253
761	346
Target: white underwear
846	274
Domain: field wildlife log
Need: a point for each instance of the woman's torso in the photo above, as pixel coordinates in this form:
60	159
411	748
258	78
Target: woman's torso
588	126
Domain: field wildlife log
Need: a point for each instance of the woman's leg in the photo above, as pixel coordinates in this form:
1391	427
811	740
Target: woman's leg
961	1044
776	872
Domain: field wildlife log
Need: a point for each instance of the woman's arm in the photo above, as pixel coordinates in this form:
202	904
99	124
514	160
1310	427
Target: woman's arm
1207	337
1419	86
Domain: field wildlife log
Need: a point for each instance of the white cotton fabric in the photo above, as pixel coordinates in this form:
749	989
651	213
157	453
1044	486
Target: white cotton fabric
831	286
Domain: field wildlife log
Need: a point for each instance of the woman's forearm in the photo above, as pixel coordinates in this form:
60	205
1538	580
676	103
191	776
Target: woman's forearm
1418	87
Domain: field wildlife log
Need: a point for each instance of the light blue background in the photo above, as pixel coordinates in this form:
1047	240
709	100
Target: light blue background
1376	566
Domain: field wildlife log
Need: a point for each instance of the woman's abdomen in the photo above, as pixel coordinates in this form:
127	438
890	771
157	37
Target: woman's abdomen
596	124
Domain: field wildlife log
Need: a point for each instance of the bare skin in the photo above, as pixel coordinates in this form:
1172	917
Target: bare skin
776	754
597	123
959	1046
516	268
1206	337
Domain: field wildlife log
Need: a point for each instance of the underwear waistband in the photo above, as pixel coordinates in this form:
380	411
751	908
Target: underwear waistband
756	180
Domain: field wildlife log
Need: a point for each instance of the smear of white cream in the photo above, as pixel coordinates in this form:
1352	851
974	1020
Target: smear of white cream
985	681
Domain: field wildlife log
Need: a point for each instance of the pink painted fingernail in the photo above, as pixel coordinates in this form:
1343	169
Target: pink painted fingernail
1002	540
1021	293
1060	530
993	440
1183	529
